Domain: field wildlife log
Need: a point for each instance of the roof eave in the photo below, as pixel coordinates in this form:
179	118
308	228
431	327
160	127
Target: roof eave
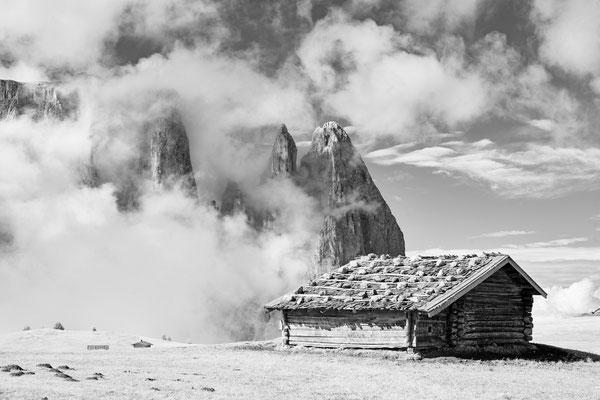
273	304
524	274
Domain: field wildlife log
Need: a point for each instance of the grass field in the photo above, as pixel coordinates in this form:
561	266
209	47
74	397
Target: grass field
580	333
261	371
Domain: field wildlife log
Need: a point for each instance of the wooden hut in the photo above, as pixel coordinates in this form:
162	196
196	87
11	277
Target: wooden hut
142	344
418	303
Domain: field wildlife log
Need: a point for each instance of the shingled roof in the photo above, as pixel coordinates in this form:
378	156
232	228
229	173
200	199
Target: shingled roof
422	283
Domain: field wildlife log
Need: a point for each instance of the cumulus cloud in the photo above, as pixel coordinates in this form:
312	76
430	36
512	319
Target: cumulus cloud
23	72
525	92
175	266
570	34
579	298
222	99
363	72
67	36
172	268
58	33
385	82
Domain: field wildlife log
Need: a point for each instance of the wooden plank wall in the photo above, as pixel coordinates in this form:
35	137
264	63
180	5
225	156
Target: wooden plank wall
363	329
497	311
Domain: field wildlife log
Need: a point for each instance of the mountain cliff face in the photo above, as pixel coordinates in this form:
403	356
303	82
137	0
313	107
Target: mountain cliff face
164	160
356	220
170	162
39	100
162	156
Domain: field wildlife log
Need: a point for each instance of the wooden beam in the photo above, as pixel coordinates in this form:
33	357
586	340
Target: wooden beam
350	345
410	325
285	331
493	335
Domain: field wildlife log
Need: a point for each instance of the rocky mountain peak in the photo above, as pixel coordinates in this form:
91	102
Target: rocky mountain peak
357	220
170	162
328	136
283	155
162	158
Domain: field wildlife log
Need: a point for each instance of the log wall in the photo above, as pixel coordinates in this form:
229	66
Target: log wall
430	331
363	329
497	311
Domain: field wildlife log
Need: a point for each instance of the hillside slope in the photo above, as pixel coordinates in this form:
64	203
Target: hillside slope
57	341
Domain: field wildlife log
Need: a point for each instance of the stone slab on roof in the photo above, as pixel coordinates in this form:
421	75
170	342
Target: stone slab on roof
424	283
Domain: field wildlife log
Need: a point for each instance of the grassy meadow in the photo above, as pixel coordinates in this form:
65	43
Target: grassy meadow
262	370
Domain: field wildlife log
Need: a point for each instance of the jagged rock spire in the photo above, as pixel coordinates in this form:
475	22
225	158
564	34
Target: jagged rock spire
357	219
283	156
170	162
163	158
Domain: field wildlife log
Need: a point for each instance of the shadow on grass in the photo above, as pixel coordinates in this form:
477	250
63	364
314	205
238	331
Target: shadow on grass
532	352
535	352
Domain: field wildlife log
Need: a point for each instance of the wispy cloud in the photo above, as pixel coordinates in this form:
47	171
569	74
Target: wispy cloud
501	234
533	171
551	243
559	250
543	124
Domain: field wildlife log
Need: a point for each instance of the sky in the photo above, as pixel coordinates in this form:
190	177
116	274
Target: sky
478	120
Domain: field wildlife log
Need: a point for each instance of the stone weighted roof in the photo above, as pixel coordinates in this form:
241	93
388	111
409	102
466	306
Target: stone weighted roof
373	282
